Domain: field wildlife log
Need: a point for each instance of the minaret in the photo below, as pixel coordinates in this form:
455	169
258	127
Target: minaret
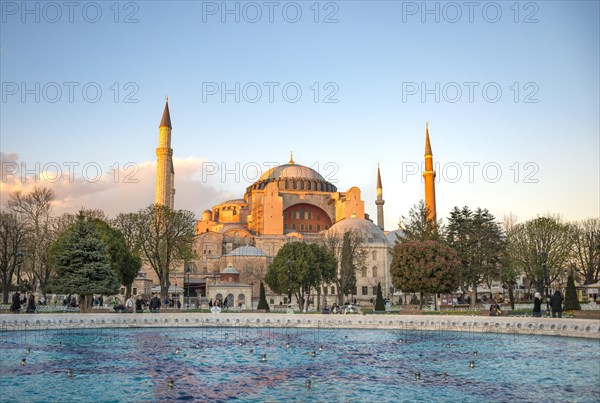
429	176
379	202
165	174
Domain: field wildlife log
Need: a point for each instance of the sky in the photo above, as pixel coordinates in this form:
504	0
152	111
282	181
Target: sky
510	91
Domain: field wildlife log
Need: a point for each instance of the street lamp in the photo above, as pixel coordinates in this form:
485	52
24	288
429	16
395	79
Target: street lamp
544	257
289	272
187	298
19	256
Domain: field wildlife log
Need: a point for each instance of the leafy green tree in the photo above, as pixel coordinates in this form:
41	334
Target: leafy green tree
417	227
299	267
262	300
125	263
480	244
379	303
166	239
571	300
425	267
83	264
526	241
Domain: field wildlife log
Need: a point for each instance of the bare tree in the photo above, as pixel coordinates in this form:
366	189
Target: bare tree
35	209
166	239
586	249
348	248
13	234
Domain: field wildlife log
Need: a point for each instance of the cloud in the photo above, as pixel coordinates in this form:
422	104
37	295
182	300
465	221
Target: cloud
114	190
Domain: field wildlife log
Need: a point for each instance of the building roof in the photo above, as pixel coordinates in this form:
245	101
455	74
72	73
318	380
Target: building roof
230	270
371	233
246	250
392	236
166	117
291	170
232	201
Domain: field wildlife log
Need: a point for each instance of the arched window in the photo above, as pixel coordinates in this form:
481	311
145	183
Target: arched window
229	300
230	279
374	271
363	272
301	227
374	255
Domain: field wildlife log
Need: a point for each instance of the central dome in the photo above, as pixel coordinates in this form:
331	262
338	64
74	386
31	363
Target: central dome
293	177
289	171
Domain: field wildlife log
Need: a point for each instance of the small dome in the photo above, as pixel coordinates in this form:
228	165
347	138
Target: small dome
246	250
230	269
367	229
393	236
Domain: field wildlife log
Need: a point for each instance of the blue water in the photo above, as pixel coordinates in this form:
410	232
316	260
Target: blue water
131	365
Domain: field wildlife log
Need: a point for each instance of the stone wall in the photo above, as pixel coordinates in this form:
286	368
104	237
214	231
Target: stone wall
507	325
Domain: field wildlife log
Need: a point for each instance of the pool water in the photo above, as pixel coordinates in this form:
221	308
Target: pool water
220	364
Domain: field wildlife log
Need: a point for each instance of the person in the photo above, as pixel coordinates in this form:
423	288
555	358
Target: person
334	308
31	303
101	301
155	304
129	304
139	302
16	303
210	303
556	304
537	305
494	308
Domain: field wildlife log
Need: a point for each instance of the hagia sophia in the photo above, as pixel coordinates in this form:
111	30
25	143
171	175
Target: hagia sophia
237	239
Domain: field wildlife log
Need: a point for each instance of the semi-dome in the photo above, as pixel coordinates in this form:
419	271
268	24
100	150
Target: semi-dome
366	228
247	250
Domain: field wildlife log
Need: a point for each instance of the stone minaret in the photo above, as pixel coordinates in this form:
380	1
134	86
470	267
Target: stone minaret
165	174
429	176
379	202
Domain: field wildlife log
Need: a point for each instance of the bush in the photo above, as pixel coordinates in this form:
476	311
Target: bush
379	304
571	302
262	300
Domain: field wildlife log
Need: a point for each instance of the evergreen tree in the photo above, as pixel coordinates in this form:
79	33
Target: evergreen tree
425	266
571	301
83	264
262	300
379	304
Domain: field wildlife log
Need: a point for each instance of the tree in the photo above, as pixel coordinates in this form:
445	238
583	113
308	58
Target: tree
425	266
83	264
480	244
35	209
509	271
166	238
417	227
571	300
125	263
348	248
262	300
13	237
526	241
586	249
298	268
326	266
379	303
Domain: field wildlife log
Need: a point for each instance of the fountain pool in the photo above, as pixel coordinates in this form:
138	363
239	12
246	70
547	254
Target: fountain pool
294	364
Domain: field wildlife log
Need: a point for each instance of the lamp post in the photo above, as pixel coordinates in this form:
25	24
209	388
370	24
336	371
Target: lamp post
187	297
289	273
19	256
544	257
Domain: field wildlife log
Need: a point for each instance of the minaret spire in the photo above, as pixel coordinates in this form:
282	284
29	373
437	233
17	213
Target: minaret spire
379	202
165	173
291	158
429	176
